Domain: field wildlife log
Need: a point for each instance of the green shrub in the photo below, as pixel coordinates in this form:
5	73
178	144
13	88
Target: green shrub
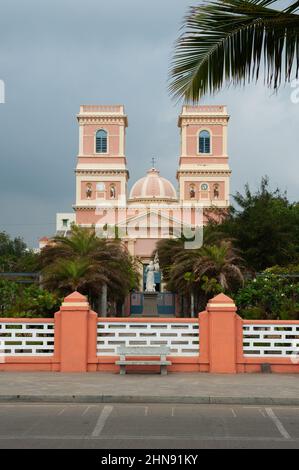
31	301
269	296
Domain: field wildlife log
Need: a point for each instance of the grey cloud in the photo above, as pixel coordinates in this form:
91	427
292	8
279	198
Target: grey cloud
58	54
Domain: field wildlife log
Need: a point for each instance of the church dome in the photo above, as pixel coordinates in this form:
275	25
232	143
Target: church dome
153	186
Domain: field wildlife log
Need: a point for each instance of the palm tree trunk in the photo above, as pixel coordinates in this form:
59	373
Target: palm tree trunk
104	301
192	304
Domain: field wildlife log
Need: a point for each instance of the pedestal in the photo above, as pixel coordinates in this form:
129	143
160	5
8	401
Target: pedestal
150	308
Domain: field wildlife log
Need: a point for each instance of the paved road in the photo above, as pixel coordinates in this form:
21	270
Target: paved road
125	426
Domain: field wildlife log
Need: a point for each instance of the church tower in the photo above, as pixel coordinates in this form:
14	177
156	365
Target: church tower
203	173
101	171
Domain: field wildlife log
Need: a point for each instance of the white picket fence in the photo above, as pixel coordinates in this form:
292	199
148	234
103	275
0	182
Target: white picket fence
270	339
181	338
26	339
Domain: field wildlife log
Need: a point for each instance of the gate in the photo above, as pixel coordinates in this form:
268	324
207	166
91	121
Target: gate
166	303
136	304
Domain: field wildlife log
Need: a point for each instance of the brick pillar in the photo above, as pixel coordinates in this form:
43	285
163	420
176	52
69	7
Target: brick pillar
72	333
222	335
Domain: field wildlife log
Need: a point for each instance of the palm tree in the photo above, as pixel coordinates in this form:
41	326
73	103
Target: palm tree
89	264
221	263
229	40
70	275
201	273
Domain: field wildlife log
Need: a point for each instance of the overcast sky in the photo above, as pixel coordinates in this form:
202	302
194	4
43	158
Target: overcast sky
58	54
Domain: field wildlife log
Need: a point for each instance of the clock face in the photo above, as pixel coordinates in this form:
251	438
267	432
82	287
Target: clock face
100	186
204	187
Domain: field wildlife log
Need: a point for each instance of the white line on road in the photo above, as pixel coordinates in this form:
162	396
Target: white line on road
102	421
61	412
234	413
145	410
86	410
277	423
172	411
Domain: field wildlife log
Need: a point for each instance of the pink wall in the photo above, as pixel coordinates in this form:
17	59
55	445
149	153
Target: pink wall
221	342
216	139
145	246
199	194
106	193
89	132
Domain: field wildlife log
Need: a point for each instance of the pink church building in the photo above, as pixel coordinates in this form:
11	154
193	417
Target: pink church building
153	208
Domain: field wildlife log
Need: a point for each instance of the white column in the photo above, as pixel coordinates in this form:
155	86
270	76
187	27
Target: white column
80	140
122	140
184	139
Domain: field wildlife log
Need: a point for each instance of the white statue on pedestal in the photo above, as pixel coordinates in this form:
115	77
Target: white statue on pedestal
150	274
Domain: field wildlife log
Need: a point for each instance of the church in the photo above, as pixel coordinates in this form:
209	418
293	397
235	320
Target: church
153	208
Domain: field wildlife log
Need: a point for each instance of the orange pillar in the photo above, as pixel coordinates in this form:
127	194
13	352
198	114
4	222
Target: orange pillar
222	335
71	333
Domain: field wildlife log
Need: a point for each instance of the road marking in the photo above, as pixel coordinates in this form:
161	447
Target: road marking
86	410
61	412
277	423
172	411
125	437
262	412
102	421
145	410
234	413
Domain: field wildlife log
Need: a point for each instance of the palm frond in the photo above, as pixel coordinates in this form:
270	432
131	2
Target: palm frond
228	41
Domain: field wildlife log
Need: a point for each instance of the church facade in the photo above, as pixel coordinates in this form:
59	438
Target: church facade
153	208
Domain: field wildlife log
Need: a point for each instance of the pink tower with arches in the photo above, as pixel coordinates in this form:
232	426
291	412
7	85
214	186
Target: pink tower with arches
153	208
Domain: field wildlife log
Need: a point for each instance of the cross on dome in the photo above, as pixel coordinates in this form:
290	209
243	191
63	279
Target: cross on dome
153	162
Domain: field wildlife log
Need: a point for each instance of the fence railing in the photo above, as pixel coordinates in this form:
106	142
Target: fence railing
26	338
217	341
181	337
277	338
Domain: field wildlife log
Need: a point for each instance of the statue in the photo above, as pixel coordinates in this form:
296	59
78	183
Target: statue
192	192
156	262
88	191
216	191
150	274
112	192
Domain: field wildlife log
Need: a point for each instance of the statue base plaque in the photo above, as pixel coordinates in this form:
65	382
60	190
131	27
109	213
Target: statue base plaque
150	308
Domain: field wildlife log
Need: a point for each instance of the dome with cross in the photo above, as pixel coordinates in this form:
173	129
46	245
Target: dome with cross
153	187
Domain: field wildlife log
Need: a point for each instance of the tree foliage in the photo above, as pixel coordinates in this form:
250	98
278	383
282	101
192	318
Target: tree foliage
85	262
15	256
29	301
269	296
265	227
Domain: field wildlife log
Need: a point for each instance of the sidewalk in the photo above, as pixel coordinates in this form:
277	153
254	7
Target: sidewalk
262	389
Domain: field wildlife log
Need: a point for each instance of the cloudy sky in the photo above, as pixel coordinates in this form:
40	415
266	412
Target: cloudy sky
58	54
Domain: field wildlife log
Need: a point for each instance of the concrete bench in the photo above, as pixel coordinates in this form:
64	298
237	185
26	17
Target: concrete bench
134	351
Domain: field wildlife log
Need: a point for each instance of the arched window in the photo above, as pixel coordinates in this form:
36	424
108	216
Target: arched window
101	141
204	142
